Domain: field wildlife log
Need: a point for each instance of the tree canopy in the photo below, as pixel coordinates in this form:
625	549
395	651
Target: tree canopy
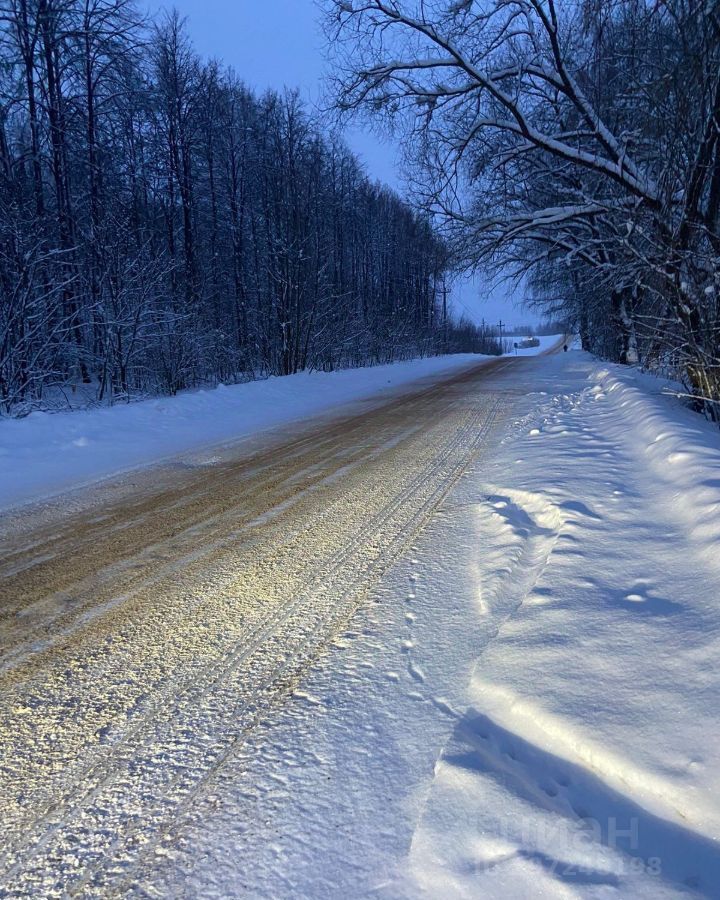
576	144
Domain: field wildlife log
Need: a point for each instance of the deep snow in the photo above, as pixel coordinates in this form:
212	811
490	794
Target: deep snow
589	739
529	703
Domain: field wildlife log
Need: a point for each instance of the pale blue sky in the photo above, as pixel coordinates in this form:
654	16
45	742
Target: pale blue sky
278	43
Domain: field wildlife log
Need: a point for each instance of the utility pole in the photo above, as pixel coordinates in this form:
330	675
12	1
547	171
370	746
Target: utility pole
444	313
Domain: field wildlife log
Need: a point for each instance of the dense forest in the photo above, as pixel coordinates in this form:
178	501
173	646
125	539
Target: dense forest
574	144
162	227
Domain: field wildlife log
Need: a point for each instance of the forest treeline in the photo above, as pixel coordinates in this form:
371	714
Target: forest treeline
163	227
575	144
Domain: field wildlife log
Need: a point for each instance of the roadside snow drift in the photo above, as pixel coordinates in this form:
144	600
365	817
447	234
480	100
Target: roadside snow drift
588	754
46	453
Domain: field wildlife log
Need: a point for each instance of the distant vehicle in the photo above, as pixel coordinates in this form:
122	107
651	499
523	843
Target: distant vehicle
526	343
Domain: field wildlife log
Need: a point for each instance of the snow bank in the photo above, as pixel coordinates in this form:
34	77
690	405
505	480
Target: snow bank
46	453
587	759
681	454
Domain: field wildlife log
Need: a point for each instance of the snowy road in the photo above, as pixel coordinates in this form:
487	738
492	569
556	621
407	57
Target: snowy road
145	631
460	642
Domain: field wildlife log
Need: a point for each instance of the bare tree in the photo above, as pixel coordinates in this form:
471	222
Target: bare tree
582	136
162	227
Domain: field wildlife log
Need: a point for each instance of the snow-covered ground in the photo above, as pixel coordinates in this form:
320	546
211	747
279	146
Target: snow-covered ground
586	756
529	704
45	453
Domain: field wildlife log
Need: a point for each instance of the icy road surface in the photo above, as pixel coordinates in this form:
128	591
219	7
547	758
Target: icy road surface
147	626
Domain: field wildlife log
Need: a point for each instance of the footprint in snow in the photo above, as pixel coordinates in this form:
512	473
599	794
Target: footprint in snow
416	672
